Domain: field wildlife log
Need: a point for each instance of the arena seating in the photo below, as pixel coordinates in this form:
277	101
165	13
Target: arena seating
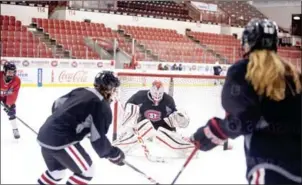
225	45
233	12
154	8
236	13
71	34
240	11
290	54
168	45
17	41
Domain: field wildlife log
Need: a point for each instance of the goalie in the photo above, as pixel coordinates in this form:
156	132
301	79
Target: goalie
152	115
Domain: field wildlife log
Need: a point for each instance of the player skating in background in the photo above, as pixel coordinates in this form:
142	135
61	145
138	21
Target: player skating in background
153	112
217	69
10	85
78	113
262	95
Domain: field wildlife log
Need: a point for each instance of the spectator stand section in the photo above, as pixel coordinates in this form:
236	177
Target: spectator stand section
17	41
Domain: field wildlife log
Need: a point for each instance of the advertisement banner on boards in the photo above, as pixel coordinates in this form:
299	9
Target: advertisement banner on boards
28	76
205	69
65	77
59	63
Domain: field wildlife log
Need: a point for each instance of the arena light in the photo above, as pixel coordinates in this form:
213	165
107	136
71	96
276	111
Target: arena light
296	17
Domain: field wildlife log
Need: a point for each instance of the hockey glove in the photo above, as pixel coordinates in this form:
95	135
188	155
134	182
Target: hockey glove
11	111
178	119
209	136
118	158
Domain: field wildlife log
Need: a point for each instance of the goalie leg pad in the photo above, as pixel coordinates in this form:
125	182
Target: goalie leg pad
172	140
145	129
129	140
126	142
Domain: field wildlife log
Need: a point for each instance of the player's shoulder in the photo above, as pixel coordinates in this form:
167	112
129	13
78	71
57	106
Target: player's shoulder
141	93
168	97
96	96
92	95
238	69
17	79
86	94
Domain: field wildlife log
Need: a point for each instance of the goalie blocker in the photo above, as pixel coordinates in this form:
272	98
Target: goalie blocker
153	112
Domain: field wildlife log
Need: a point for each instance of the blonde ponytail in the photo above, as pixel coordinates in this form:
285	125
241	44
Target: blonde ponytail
267	73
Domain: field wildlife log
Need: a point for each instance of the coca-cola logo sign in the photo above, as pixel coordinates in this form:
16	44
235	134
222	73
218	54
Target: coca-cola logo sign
73	77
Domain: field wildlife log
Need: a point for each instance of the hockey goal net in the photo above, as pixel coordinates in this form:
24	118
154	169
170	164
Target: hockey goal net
198	95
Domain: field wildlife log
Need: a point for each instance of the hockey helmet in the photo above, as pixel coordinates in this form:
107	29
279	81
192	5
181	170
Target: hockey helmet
157	91
260	34
106	83
10	71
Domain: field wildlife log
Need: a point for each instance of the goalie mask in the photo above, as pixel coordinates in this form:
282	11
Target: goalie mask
157	91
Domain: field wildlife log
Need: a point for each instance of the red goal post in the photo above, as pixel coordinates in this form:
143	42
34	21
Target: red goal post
183	86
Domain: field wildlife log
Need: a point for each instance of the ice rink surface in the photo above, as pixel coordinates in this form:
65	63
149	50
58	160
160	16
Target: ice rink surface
21	161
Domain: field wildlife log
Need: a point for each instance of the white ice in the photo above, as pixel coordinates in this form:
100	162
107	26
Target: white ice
21	161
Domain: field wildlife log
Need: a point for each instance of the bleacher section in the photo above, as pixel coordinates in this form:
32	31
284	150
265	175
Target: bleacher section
162	44
240	12
71	34
168	45
225	45
291	54
17	41
154	8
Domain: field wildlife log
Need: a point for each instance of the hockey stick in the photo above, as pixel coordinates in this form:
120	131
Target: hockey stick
22	121
139	171
185	164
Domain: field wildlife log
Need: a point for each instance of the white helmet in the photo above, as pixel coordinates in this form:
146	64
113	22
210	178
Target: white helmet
157	91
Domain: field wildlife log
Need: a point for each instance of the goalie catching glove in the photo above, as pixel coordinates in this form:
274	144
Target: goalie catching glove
178	119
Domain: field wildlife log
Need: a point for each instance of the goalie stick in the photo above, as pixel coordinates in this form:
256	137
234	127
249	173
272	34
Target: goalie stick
145	148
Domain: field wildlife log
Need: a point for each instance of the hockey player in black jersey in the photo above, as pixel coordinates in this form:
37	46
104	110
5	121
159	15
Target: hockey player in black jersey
155	115
262	95
80	112
217	69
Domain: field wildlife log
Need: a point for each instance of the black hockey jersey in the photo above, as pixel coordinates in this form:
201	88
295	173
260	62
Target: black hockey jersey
272	130
78	113
217	70
148	110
